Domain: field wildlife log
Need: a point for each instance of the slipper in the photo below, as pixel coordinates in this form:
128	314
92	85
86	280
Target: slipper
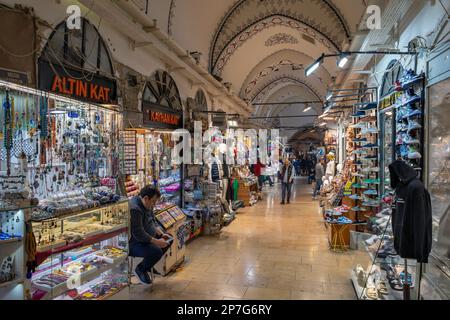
396	285
382	288
372	293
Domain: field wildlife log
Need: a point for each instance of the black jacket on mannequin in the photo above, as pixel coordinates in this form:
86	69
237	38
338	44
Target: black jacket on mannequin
411	220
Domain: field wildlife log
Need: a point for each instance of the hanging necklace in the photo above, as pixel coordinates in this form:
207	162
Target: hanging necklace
8	132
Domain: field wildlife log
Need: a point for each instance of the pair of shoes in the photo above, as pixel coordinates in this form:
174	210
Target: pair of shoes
282	203
372	240
143	276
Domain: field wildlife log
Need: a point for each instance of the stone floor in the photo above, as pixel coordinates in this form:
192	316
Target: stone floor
269	252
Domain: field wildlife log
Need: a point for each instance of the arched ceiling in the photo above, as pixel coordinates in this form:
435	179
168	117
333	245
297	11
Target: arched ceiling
261	47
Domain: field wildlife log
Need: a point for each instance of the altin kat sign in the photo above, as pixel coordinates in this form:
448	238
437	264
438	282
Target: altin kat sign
81	89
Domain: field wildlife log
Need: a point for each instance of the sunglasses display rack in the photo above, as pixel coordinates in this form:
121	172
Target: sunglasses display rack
66	154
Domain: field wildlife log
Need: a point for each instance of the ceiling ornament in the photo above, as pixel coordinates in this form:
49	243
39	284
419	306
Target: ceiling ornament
280	38
171	17
269	70
319	19
250	32
259	96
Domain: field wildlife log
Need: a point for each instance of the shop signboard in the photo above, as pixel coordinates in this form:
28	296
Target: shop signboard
80	85
389	100
160	117
13	76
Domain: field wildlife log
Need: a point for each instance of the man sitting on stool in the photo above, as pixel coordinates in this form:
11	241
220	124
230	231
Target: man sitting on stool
147	240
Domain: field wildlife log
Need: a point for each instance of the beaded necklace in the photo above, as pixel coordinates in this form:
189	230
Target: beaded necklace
8	132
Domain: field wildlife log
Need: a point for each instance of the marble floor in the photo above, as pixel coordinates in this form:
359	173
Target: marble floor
269	252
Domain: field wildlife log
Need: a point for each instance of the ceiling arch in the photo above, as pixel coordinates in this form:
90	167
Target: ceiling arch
248	17
278	84
285	63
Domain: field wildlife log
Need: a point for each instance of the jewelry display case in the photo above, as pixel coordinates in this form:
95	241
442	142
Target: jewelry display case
66	154
12	249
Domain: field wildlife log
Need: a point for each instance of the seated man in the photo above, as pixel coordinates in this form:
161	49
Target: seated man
147	240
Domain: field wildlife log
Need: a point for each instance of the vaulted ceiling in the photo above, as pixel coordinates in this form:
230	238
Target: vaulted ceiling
261	47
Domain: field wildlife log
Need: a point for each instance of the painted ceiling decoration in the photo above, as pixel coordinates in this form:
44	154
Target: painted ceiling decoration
318	19
260	95
268	71
171	17
280	38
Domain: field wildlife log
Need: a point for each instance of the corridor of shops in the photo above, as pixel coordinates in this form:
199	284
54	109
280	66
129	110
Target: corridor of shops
269	252
146	145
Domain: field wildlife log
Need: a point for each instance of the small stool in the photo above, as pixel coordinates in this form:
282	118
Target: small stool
131	270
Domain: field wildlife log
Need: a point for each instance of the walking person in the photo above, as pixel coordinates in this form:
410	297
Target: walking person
319	176
287	179
257	168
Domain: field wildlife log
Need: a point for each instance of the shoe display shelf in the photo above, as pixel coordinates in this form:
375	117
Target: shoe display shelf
409	118
365	157
13	253
82	255
381	257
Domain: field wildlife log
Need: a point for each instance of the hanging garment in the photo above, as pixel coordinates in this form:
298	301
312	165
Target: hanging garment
412	219
215	173
235	189
230	190
226	171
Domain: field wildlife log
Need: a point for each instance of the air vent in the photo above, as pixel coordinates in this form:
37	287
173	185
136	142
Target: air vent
308	38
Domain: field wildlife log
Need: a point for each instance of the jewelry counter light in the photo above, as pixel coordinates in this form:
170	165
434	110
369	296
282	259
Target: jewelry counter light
64	153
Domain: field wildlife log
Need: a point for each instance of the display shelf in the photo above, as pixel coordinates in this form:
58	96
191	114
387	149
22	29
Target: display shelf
90	210
407	84
11	283
14	240
42	255
18	208
84	278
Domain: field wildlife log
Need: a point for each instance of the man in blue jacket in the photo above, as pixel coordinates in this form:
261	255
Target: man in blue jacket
147	240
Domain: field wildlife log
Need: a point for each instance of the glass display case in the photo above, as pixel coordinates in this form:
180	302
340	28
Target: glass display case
12	251
437	273
82	255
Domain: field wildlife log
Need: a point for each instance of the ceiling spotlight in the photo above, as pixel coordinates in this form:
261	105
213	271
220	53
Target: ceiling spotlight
342	60
313	67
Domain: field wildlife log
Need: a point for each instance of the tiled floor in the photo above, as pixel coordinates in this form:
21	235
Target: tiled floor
269	252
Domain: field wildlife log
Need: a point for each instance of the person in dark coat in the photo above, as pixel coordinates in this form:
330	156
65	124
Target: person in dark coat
412	217
147	240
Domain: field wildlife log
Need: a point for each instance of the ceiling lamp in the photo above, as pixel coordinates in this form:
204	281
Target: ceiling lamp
307	108
329	95
313	67
342	61
323	124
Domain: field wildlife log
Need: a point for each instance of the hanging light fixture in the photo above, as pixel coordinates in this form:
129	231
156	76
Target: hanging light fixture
342	61
313	67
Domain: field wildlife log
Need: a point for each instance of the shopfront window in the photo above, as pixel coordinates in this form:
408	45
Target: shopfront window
162	90
439	168
79	49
